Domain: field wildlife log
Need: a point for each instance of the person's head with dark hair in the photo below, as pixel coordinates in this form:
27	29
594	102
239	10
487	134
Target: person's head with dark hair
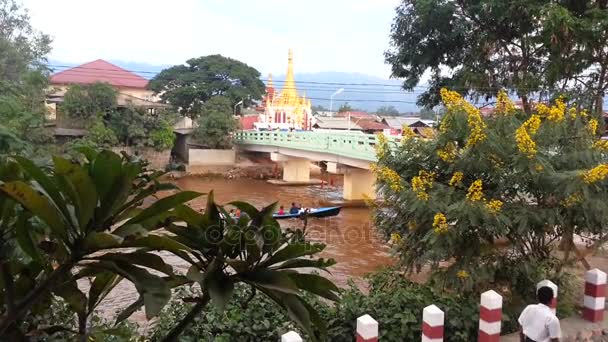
545	295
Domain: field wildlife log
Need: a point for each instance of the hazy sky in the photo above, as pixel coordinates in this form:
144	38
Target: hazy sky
326	35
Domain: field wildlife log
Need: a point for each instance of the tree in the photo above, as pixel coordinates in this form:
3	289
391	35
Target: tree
216	124
528	47
23	80
428	114
345	107
387	110
528	180
188	87
90	101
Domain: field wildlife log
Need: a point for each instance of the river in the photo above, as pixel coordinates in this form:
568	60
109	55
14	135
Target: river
350	237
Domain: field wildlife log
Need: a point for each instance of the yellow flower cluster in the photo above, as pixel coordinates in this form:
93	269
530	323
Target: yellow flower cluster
440	224
572	200
475	192
601	144
453	101
592	126
572	113
596	174
388	175
554	113
407	133
523	136
395	237
504	105
421	183
456	178
539	167
381	145
494	206
462	274
448	153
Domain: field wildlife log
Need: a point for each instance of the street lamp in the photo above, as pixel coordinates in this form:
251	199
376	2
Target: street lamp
331	98
236	105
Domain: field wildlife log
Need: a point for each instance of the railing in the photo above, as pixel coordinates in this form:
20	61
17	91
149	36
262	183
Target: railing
356	146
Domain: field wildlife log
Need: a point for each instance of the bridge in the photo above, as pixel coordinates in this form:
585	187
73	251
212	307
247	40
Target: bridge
350	154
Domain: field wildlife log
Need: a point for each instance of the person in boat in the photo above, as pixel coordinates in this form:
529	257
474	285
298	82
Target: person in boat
294	209
238	213
281	211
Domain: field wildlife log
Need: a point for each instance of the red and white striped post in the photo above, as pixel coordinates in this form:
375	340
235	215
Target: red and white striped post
432	324
553	287
291	336
595	295
490	316
367	329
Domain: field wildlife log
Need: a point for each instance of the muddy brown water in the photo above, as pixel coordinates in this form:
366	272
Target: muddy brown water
350	237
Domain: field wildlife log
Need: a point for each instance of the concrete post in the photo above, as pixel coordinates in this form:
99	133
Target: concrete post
291	336
432	324
359	184
367	329
296	170
595	295
552	285
490	316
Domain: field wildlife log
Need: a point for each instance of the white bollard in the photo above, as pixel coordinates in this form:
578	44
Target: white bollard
432	324
291	336
490	317
367	329
595	295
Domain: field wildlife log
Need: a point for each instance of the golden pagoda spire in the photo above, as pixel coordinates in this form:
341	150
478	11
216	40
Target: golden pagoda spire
289	95
270	85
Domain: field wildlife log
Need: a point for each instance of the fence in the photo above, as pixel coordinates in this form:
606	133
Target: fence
490	314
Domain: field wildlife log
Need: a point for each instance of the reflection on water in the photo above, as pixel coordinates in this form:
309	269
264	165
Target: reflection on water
350	236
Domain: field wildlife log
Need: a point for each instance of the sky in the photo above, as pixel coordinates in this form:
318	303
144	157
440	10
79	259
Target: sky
326	35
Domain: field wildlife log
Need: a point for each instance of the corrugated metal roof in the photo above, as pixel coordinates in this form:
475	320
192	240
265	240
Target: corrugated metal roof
397	122
336	123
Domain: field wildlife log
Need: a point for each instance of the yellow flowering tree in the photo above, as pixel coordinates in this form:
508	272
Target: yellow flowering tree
526	183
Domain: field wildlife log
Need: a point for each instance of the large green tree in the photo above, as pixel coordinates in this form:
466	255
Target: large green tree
529	47
216	124
188	87
23	80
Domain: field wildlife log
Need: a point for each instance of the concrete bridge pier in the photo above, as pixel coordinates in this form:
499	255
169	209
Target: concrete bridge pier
359	184
295	170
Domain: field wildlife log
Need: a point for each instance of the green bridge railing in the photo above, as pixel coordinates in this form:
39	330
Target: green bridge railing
351	145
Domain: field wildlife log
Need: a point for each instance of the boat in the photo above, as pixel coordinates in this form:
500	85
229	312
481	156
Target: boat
315	212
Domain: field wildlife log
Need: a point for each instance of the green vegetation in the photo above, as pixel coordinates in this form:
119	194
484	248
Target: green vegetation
82	219
216	124
23	79
90	101
387	111
485	202
528	47
188	87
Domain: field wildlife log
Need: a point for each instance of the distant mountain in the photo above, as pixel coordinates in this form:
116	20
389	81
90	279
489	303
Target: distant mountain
361	91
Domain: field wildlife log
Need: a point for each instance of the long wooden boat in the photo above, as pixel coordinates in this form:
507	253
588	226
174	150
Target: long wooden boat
317	212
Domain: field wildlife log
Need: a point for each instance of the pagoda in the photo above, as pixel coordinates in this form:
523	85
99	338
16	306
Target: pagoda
287	109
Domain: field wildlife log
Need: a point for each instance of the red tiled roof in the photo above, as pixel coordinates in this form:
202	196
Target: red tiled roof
247	121
99	71
369	124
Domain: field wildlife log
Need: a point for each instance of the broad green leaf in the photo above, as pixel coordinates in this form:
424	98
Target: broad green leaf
153	289
305	263
102	285
316	284
106	170
163	205
188	215
97	241
46	183
292	251
88	152
72	295
220	289
145	193
24	238
37	205
195	274
83	187
129	230
246	208
126	313
157	242
273	280
149	260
